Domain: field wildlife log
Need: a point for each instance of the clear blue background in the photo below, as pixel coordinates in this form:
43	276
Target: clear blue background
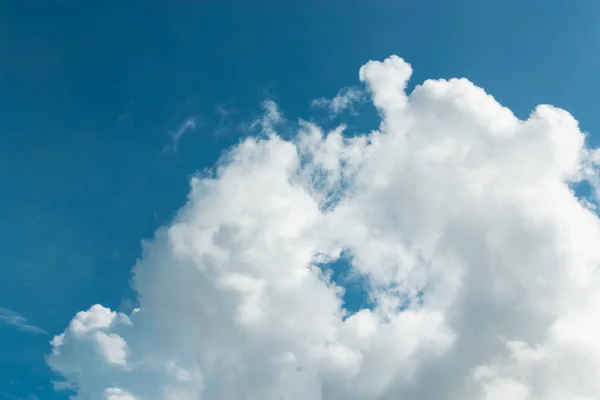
90	90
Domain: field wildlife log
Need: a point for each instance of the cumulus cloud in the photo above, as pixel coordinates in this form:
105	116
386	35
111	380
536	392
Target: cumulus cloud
480	263
343	100
19	322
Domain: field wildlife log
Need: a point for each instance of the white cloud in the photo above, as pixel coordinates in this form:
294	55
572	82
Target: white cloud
268	121
112	347
188	125
117	394
591	172
95	336
453	202
18	321
343	100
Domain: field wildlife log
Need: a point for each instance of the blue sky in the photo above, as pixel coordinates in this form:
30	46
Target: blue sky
91	95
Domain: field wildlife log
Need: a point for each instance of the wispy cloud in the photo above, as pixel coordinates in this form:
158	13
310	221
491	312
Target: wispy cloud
271	116
12	397
226	122
345	99
189	124
18	321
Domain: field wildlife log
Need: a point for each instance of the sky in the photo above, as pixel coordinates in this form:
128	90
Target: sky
179	200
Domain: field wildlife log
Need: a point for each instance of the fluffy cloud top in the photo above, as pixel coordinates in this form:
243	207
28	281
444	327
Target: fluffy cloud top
479	260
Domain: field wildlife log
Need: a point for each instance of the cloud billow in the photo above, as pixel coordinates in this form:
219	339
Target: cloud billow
480	264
